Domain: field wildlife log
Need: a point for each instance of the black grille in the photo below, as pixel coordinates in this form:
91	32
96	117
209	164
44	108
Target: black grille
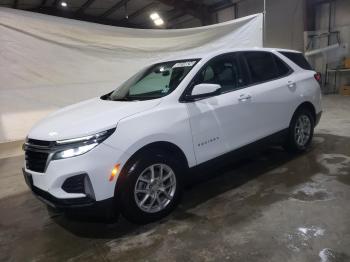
36	161
74	184
39	142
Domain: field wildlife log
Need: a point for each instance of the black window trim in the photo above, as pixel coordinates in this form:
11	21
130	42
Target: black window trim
283	53
275	57
184	98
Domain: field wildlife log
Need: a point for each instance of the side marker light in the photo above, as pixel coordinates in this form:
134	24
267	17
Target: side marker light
114	172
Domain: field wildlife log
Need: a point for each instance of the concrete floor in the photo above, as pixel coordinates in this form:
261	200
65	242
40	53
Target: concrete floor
270	207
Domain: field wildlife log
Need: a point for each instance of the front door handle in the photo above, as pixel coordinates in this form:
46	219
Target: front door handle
244	97
291	84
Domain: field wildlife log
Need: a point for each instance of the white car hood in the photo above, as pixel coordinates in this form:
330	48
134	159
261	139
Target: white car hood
86	118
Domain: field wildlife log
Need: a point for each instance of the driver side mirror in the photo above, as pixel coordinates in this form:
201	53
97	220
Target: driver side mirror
204	90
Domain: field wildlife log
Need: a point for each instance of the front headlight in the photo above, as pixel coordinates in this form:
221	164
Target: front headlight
78	146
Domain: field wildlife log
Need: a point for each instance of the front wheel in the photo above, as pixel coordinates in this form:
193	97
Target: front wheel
151	189
300	132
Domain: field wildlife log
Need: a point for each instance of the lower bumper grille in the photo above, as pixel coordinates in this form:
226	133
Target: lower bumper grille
74	184
62	203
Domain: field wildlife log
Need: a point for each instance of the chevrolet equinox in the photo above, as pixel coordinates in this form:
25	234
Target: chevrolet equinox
129	150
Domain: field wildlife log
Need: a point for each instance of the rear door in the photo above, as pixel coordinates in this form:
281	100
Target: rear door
271	92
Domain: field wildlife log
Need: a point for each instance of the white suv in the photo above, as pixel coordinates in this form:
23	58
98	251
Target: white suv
130	150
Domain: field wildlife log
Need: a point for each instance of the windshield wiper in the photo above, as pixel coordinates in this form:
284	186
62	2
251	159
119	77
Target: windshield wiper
127	98
144	97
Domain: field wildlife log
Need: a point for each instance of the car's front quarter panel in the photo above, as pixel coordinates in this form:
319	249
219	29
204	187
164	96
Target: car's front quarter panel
166	123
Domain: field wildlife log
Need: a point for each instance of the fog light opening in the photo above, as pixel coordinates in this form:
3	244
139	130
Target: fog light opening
114	172
88	187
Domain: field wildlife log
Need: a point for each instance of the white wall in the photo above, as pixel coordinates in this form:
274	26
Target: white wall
225	15
340	18
342	13
340	21
284	21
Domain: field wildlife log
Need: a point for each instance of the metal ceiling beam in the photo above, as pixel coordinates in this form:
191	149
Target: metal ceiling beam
84	7
15	4
318	2
114	8
83	17
168	17
43	3
175	25
55	3
174	15
221	5
145	9
192	8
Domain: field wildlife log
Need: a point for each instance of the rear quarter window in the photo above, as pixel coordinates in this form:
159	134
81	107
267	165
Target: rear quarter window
299	59
265	66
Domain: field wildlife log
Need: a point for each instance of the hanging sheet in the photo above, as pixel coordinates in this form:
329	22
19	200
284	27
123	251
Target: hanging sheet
48	62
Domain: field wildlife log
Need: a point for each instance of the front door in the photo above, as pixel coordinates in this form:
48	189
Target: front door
219	123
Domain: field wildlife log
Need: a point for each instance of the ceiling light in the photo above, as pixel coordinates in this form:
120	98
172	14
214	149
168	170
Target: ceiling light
64	4
154	16
158	22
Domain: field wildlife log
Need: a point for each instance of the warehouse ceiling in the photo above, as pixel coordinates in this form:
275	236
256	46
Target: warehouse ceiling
127	13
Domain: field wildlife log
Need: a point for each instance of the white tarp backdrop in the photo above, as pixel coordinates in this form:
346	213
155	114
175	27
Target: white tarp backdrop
48	62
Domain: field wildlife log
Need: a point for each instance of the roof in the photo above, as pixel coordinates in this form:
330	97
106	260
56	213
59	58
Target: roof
202	55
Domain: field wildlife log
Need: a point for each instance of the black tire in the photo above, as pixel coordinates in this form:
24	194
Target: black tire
126	198
291	144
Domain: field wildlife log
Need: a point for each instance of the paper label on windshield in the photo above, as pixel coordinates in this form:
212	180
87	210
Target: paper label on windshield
184	64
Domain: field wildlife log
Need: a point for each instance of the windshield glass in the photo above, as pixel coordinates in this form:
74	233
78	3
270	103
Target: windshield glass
154	82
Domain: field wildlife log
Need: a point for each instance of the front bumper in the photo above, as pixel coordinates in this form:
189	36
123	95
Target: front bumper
96	164
86	205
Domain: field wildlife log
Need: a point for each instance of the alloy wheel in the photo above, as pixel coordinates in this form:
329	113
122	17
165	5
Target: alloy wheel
155	188
302	130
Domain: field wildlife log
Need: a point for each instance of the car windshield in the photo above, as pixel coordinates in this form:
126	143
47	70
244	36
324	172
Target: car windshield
153	82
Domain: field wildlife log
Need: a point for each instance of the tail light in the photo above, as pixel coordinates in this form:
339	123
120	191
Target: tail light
318	77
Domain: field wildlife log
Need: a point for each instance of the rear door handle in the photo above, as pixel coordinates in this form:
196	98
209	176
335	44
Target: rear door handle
244	97
291	84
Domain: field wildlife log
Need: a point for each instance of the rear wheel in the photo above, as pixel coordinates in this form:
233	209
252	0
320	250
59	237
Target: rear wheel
151	189
301	131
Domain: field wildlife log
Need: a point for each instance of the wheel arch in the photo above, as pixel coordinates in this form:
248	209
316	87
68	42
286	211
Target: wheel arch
309	106
159	147
163	147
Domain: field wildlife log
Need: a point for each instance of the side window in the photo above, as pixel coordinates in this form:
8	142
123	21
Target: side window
298	58
265	66
223	70
282	67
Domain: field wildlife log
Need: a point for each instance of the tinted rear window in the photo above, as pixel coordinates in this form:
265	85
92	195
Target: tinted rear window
299	59
282	67
265	66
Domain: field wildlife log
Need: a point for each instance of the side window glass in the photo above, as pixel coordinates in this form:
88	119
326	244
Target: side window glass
224	71
299	59
262	66
283	69
208	75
